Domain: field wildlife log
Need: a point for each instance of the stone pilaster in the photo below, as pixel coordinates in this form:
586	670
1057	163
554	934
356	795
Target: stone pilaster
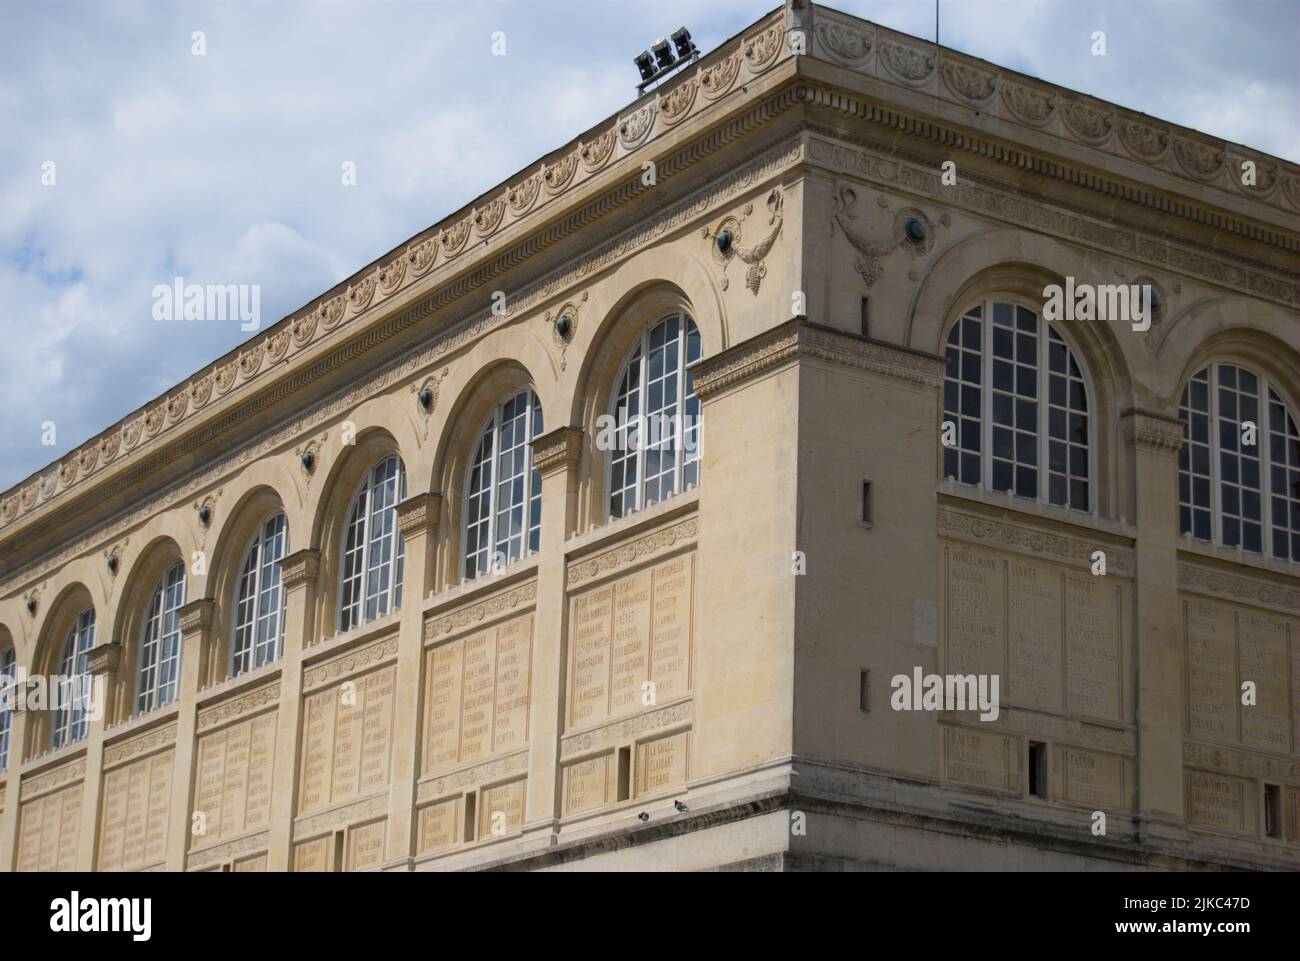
1153	438
196	634
417	519
556	456
298	578
10	778
101	664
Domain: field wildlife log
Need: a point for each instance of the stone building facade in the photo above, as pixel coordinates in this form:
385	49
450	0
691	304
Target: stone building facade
371	591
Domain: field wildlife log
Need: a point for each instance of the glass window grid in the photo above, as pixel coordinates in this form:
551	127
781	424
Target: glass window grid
69	716
657	387
374	550
8	664
1233	494
259	605
501	485
1004	357
160	648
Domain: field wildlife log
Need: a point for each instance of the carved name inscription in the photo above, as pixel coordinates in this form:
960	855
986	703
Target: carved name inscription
501	809
981	758
1219	801
253	864
1211	671
1094	779
625	633
314	855
233	779
1263	659
133	814
1053	634
366	846
48	831
589	784
476	695
439	826
661	764
347	737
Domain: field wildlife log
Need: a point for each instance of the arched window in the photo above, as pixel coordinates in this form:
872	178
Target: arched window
503	490
8	662
1015	408
259	599
657	446
1239	466
160	647
373	547
73	683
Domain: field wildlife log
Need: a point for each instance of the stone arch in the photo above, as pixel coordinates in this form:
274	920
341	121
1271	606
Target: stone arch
995	265
60	618
1227	329
239	525
150	563
330	515
491	382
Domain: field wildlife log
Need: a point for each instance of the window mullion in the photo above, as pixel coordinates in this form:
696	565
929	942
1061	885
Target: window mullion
986	396
679	451
1042	381
643	398
1216	513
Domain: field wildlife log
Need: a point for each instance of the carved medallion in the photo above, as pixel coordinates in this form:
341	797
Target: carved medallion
844	44
968	82
910	65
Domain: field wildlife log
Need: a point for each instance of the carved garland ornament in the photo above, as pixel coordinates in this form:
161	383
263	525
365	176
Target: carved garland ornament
625	555
475	613
1119	560
731	228
911	66
844	44
238	707
969	82
351	663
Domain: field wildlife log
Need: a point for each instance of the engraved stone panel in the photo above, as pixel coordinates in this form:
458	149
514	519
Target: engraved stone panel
1220	801
503	807
1093	646
439	826
256	863
347	738
1262	651
477	695
981	758
366	846
974	582
49	829
133	814
1211	673
588	784
1094	779
635	630
1034	617
661	764
313	855
233	779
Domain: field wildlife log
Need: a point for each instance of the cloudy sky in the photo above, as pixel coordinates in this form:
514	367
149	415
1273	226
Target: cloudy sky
226	168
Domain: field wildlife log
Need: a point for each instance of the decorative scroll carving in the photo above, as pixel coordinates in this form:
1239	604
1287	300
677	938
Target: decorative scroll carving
497	604
1120	561
1203	161
633	552
238	707
1028	104
221	853
42	783
969	82
142	744
340	817
494	770
626	729
1238	588
753	255
844	44
911	66
350	663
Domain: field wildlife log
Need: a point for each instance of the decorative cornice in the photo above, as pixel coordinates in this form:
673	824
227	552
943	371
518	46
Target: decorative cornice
238	707
625	729
444	245
1028	540
497	769
1249	590
196	616
488	609
142	744
625	555
1243	763
371	655
300	567
220	853
418	514
50	780
1152	431
557	450
340	817
796	339
456	335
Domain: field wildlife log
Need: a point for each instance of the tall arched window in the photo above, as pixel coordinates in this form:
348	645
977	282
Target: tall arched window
1015	407
8	662
160	647
1239	466
259	599
657	445
503	490
73	685
373	547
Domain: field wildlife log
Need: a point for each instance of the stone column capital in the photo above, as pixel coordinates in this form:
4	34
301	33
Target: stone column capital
1152	431
557	450
418	514
196	616
300	567
103	658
